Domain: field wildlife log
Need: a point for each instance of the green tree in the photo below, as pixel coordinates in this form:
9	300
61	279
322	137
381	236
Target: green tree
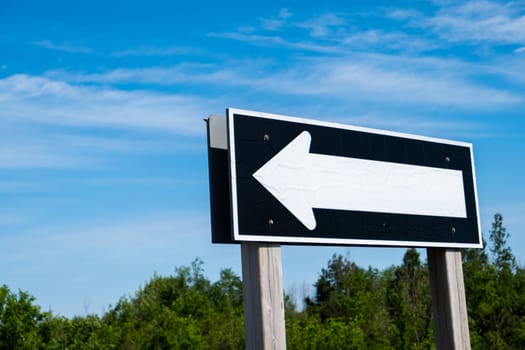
347	293
410	304
501	252
480	288
20	320
495	287
184	311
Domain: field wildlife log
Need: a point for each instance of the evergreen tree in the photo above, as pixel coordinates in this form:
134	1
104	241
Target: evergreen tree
409	303
354	296
494	289
502	254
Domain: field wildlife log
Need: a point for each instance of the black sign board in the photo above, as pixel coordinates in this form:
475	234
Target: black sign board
299	181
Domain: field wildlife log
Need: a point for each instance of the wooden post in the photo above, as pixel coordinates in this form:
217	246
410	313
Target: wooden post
448	299
263	296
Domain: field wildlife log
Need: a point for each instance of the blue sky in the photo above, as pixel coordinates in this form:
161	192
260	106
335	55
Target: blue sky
103	163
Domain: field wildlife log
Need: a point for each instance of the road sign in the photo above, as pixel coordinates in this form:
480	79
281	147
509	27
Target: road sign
294	180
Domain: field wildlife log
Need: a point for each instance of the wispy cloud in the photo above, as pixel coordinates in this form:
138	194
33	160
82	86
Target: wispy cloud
421	124
13	186
44	100
64	47
464	22
323	25
65	150
17	155
399	80
402	67
139	51
184	73
368	71
331	33
474	21
144	51
319	34
43	123
402	85
277	41
379	40
278	22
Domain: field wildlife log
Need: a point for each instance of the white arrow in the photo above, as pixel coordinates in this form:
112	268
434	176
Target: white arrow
302	181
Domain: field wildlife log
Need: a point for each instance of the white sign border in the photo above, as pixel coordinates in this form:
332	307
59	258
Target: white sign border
230	112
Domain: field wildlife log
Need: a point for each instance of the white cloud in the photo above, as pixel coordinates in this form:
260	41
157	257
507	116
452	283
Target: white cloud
44	100
276	23
345	80
337	33
184	73
142	51
277	41
424	79
323	25
345	68
386	79
43	123
67	148
480	21
420	124
403	14
65	47
334	33
399	80
16	155
396	85
375	39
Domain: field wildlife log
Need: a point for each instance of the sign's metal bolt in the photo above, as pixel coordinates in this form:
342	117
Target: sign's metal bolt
447	159
453	229
266	137
270	222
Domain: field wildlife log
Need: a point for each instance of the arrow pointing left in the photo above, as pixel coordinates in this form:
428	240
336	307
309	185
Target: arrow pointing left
301	181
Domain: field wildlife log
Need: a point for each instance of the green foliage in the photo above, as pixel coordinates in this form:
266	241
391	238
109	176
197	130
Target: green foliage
409	303
20	321
391	310
352	308
312	333
502	254
184	311
79	333
495	289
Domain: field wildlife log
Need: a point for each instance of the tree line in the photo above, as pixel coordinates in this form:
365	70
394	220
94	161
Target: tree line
351	308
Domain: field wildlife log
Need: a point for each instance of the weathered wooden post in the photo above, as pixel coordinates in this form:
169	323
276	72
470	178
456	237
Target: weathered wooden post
449	303
263	296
